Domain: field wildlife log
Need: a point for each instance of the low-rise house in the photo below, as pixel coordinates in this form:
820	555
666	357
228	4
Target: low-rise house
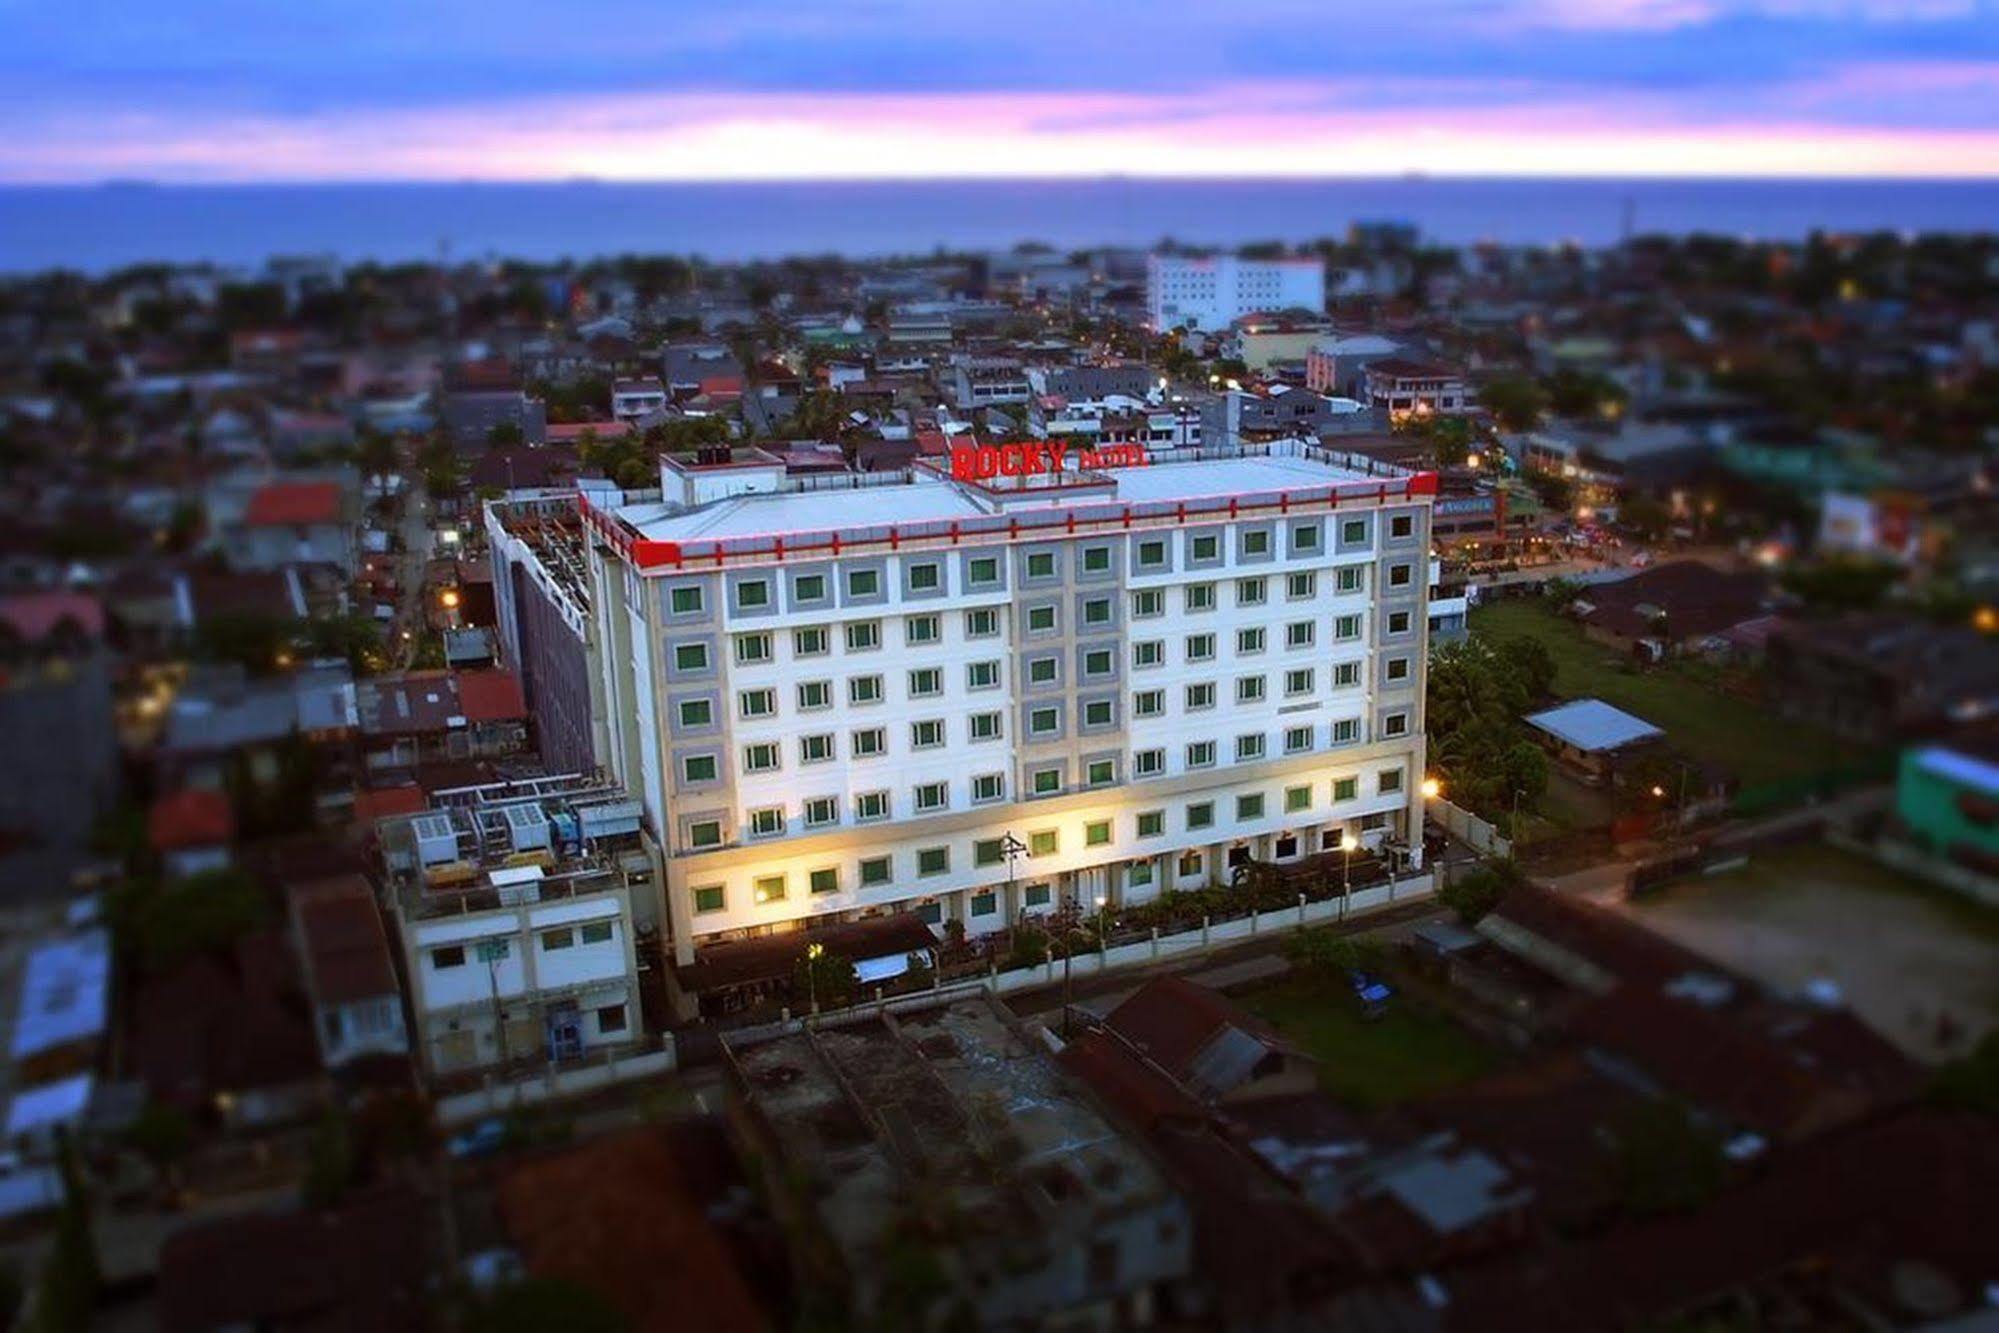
428	717
1214	1050
1878	678
190	831
633	400
1947	803
62	1009
350	978
1670	608
1592	737
56	712
293	522
1401	387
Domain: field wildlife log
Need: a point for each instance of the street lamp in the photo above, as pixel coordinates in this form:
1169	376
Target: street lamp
813	953
1348	842
1432	789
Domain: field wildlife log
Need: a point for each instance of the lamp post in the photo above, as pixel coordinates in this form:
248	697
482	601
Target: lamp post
1347	844
813	953
1012	849
1433	788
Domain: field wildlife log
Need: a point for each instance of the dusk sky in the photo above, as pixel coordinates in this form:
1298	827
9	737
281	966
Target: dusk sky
199	90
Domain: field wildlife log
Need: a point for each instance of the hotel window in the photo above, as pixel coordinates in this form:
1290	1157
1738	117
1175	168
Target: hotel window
1398	622
1399	575
1249	689
1201	815
1346	675
985	903
1251	592
824	880
870	806
1388	781
1300	586
988	852
1043	842
1249	747
1298	681
686	601
1249	806
1200	695
1151	823
1099	713
1042	670
815	749
821	811
982	571
1205	546
921	629
1298	634
552	940
1148	703
690	657
808	588
1398	668
864	690
709	898
1099	662
927	734
1297	740
767	888
1200	647
1249	641
1148	653
760	758
1346	731
925	577
1402	525
1346	789
752	649
1096	559
704	833
1149	602
767	822
1097	611
1138	874
1100	773
982	623
1044	721
1040	620
870	743
1353	532
810	642
1305	537
877	870
1201	754
757	703
1395	724
1045	781
864	636
1036	895
988	787
1097	833
982	676
933	861
1346	628
863	583
1296	799
1255	541
1190	864
815	694
753	595
932	796
1041	565
985	726
1199	597
1148	763
1352	579
925	683
1151	553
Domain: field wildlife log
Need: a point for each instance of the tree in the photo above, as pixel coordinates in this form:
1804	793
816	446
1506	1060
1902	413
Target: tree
443	473
1647	519
1583	393
1515	402
68	1291
1663	1161
1843	584
503	434
1476	892
162	925
162	1134
826	979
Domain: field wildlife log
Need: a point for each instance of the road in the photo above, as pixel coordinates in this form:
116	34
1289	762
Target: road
414	534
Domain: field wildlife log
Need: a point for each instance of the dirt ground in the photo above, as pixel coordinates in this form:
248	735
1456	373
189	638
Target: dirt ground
1901	952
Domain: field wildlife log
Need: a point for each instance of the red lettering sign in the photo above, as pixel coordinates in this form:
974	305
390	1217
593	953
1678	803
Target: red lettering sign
982	462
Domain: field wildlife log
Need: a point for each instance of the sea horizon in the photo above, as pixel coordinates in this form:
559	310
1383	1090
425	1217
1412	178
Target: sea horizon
100	226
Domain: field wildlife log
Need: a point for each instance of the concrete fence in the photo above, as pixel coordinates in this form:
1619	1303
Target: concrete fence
1467	827
554	1083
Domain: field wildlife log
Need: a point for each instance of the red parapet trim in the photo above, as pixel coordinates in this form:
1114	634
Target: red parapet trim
647	553
1425	483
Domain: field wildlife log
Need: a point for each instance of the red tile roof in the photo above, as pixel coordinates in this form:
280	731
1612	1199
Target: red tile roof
346	951
294	504
35	615
382	802
490	696
190	818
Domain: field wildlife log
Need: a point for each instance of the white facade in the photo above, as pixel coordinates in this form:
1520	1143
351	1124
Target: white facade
1138	676
1213	292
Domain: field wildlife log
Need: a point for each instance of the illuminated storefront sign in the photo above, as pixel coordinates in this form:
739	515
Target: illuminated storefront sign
980	462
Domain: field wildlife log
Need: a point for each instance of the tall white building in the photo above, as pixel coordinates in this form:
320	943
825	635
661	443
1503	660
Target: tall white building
839	696
1215	291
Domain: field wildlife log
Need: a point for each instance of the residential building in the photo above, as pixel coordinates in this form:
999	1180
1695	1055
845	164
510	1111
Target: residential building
350	979
1882	677
1240	416
476	405
1212	292
292	521
1402	387
634	400
1947	802
541	596
1145	675
988	381
1338	365
1057	1218
513	905
56	706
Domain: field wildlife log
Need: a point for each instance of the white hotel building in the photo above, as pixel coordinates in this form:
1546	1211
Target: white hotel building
841	696
1212	292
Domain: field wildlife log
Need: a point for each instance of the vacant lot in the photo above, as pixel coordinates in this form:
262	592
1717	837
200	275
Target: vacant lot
1404	1054
1748	741
1900	951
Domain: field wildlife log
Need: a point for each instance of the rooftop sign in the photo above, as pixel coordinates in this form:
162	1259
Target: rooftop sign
980	462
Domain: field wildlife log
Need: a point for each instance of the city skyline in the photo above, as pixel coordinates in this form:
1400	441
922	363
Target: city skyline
218	92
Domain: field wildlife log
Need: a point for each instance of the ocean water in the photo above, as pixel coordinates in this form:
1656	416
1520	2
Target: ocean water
103	226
